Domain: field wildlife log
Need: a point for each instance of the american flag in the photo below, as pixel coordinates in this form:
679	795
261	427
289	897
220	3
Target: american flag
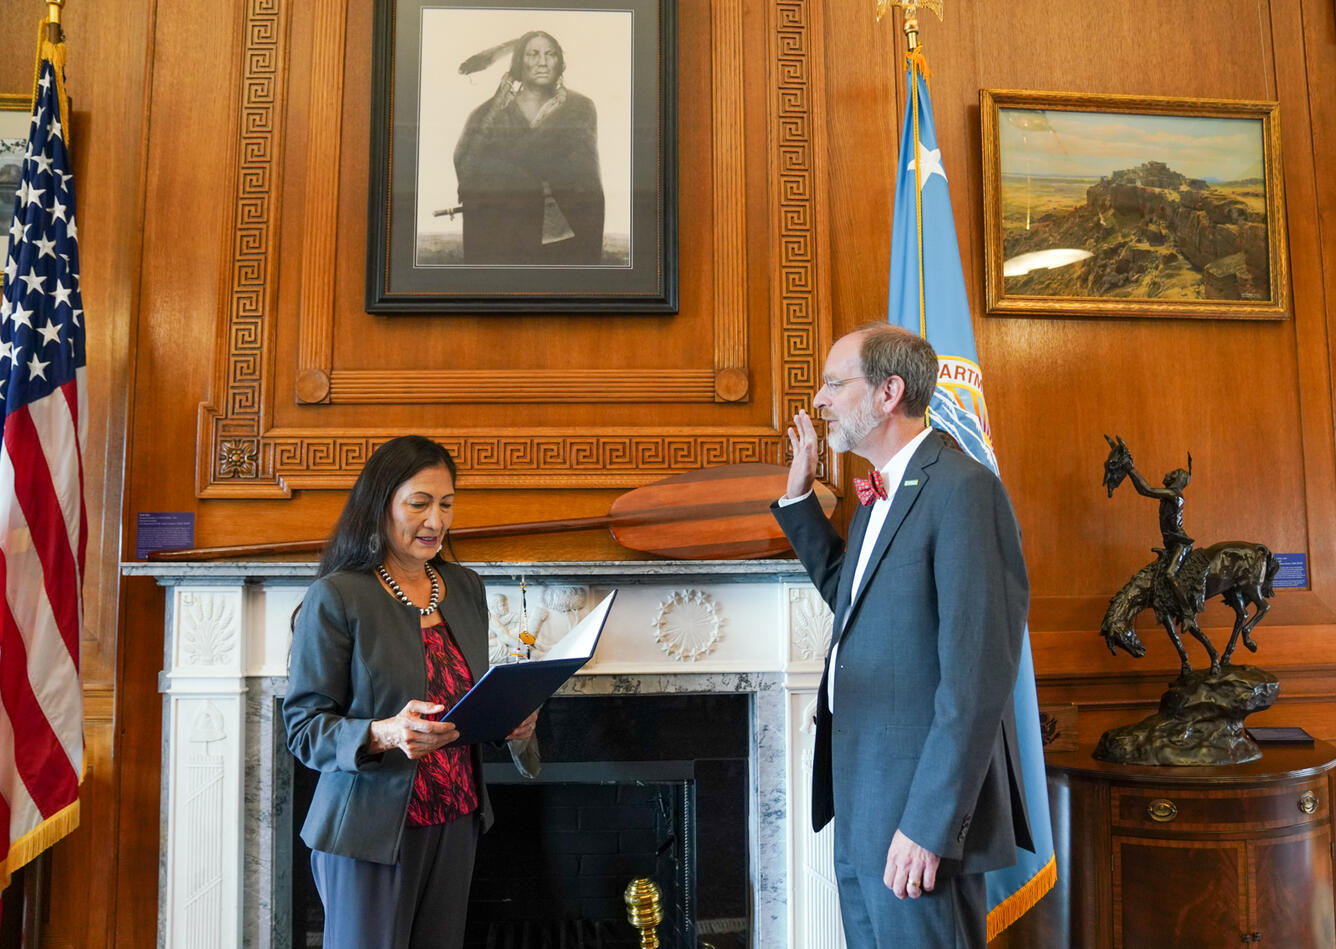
43	526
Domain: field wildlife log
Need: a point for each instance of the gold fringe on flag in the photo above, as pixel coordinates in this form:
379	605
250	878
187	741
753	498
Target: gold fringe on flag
918	60
1015	906
41	837
55	52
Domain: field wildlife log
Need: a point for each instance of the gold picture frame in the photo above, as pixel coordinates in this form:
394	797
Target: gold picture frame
15	115
1131	206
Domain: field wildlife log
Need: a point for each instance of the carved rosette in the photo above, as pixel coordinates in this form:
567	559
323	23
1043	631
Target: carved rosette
209	627
686	626
810	624
237	459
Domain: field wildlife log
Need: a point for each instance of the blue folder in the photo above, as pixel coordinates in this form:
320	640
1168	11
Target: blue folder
505	695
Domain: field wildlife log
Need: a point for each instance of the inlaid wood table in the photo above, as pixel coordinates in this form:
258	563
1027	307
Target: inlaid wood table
1192	857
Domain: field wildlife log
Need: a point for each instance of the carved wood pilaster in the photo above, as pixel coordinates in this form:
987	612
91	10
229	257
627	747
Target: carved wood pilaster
233	458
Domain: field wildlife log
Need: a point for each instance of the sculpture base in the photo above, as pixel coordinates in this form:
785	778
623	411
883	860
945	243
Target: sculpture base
1200	721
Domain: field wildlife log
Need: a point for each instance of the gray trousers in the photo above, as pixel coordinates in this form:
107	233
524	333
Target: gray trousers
418	903
953	916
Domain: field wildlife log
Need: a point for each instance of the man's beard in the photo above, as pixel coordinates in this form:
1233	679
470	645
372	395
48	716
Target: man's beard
853	429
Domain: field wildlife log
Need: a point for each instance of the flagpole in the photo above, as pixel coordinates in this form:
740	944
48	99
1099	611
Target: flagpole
928	295
53	31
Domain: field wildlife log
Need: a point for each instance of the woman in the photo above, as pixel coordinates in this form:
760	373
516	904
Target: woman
527	163
387	638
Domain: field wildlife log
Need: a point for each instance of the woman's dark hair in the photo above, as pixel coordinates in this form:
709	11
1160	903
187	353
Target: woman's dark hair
358	541
522	44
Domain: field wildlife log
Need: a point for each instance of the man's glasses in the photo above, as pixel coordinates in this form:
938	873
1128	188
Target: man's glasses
835	385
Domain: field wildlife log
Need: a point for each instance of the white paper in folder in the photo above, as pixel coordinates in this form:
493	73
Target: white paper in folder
502	698
581	641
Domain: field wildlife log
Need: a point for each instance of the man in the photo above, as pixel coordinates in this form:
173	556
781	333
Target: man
915	745
527	163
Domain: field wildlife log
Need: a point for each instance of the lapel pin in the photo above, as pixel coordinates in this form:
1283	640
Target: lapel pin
912	482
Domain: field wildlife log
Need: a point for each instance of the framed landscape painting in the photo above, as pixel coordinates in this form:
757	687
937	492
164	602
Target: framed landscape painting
523	157
1102	205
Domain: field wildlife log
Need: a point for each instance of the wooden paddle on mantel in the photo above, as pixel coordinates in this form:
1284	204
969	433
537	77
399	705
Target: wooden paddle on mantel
720	513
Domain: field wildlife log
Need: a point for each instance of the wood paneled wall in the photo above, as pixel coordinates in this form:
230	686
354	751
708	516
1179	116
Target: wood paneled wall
177	105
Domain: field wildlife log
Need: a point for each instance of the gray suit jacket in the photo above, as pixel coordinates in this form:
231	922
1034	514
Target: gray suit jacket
356	657
923	736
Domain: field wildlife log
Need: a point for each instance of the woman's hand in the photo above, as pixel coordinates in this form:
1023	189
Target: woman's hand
524	730
410	732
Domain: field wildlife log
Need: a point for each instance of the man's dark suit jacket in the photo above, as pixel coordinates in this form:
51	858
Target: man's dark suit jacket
357	656
923	737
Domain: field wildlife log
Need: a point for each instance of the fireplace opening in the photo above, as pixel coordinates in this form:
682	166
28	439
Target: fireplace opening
655	786
560	856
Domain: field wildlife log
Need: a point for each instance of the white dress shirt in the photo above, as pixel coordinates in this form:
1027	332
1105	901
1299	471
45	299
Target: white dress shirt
892	474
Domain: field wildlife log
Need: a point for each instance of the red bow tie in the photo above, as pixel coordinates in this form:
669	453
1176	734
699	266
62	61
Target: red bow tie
871	488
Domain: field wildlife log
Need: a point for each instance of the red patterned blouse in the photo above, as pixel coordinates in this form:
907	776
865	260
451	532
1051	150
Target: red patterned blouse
443	789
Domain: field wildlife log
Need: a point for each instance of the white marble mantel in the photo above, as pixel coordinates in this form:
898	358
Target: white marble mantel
678	626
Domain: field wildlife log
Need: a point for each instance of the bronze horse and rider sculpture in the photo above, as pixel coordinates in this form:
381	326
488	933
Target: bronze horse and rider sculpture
1177	584
1200	717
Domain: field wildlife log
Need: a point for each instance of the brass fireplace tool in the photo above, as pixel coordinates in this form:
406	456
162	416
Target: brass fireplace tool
644	910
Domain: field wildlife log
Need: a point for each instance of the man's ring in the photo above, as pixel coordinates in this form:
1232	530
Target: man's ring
916	883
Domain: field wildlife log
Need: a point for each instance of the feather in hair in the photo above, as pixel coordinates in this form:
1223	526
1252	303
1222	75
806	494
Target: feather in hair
484	60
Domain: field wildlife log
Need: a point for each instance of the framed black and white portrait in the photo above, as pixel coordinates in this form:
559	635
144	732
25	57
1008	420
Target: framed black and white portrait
523	157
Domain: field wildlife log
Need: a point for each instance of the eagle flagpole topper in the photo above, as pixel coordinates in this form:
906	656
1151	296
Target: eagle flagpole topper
927	296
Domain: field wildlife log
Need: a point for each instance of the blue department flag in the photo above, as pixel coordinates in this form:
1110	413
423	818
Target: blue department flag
927	296
43	528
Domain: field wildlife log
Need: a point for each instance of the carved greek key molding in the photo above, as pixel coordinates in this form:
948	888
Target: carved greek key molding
524	458
232	449
800	282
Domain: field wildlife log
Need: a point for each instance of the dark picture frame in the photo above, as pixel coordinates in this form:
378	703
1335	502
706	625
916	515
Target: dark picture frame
1132	206
475	205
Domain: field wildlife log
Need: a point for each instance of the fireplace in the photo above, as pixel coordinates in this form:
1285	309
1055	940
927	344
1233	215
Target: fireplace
748	635
632	786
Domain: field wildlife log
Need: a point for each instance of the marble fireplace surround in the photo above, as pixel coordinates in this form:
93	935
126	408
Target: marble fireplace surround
754	627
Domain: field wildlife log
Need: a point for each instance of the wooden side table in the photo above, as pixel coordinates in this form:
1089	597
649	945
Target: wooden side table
1192	857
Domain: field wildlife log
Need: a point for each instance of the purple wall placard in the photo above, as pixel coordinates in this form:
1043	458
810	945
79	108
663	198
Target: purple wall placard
1293	570
163	530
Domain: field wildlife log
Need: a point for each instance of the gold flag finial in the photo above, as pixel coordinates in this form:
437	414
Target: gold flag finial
911	15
